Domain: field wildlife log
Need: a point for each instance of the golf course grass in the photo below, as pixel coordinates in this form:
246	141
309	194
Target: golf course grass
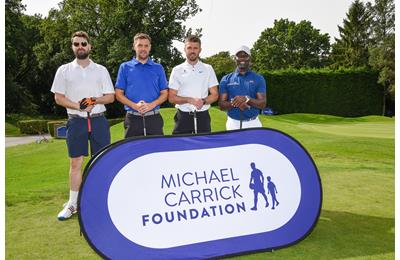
354	156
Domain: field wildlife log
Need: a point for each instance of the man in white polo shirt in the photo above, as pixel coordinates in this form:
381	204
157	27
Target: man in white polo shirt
82	87
193	86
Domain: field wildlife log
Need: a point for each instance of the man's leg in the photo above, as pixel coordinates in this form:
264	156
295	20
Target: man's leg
75	180
154	125
77	143
204	122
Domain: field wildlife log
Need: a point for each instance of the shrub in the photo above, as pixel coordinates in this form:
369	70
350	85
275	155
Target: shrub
33	126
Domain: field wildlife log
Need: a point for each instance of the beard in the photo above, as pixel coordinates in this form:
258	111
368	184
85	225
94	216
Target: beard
243	65
81	55
143	55
193	57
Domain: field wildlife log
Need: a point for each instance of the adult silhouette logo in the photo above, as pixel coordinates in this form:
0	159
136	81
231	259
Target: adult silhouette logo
199	196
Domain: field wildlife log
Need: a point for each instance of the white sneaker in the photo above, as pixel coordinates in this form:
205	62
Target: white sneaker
67	212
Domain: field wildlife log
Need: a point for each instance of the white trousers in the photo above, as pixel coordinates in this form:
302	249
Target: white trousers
233	124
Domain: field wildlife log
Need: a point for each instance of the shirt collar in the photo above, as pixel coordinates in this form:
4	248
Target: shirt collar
197	65
76	65
245	74
148	62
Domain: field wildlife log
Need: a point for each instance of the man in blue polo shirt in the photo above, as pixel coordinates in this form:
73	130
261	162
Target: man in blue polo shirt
242	93
142	87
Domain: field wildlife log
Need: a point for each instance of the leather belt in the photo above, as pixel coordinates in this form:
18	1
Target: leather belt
150	113
70	116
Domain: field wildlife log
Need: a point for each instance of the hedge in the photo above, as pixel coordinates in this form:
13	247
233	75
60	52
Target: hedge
351	92
33	126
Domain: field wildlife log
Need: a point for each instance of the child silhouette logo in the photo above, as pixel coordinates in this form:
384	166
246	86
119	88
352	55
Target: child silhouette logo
273	191
257	185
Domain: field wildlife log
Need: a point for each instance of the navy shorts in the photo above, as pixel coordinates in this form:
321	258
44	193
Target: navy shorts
78	136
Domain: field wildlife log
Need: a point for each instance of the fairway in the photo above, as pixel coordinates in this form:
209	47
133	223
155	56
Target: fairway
354	156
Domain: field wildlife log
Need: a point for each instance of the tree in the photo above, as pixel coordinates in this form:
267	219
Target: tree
20	73
382	49
290	45
351	50
221	62
111	26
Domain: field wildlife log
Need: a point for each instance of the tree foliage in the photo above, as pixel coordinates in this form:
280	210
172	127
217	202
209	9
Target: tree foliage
221	62
111	24
21	34
382	51
290	45
351	49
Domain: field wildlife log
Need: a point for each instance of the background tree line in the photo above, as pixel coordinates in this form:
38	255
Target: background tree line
36	46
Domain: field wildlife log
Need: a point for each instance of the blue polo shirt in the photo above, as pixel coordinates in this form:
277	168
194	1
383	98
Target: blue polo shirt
249	84
141	81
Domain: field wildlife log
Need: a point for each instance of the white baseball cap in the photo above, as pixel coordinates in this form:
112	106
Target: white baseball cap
243	48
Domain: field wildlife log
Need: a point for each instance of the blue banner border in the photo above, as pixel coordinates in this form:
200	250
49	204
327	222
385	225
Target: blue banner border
97	156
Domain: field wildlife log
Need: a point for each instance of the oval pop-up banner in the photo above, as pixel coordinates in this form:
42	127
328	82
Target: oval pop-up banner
200	196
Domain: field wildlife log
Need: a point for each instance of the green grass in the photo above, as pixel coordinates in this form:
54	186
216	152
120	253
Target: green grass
354	156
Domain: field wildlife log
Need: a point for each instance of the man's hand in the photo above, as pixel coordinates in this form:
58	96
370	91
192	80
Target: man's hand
87	104
238	101
244	106
197	102
144	107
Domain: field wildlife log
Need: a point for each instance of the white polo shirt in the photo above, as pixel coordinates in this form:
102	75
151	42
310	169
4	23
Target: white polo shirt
192	81
76	83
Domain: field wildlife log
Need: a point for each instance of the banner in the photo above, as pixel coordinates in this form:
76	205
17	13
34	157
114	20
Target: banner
199	196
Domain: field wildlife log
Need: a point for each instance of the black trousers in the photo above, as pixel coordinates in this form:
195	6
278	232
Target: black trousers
133	125
184	122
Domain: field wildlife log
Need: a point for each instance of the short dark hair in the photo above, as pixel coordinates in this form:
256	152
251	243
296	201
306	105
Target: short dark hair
193	38
141	36
80	34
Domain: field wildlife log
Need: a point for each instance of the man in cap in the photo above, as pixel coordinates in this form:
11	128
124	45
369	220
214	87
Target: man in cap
242	93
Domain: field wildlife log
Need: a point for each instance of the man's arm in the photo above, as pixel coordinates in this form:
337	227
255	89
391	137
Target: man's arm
63	101
120	96
146	107
212	97
258	102
105	99
175	99
224	103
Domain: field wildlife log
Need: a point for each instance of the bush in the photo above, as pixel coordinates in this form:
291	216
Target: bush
51	125
33	126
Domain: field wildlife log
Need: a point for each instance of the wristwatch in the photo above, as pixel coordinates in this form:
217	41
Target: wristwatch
247	99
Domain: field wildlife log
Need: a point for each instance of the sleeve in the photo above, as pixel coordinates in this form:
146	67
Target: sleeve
223	85
262	85
106	82
59	83
212	80
173	80
121	79
163	79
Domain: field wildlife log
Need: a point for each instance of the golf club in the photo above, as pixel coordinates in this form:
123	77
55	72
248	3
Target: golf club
144	125
241	118
89	132
143	120
195	119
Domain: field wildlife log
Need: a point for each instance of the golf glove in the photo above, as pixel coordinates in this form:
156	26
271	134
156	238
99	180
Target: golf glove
84	103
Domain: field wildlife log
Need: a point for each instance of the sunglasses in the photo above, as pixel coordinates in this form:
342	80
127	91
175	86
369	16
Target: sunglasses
84	44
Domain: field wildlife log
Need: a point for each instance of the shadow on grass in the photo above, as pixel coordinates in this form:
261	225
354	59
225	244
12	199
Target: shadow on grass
338	235
342	234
